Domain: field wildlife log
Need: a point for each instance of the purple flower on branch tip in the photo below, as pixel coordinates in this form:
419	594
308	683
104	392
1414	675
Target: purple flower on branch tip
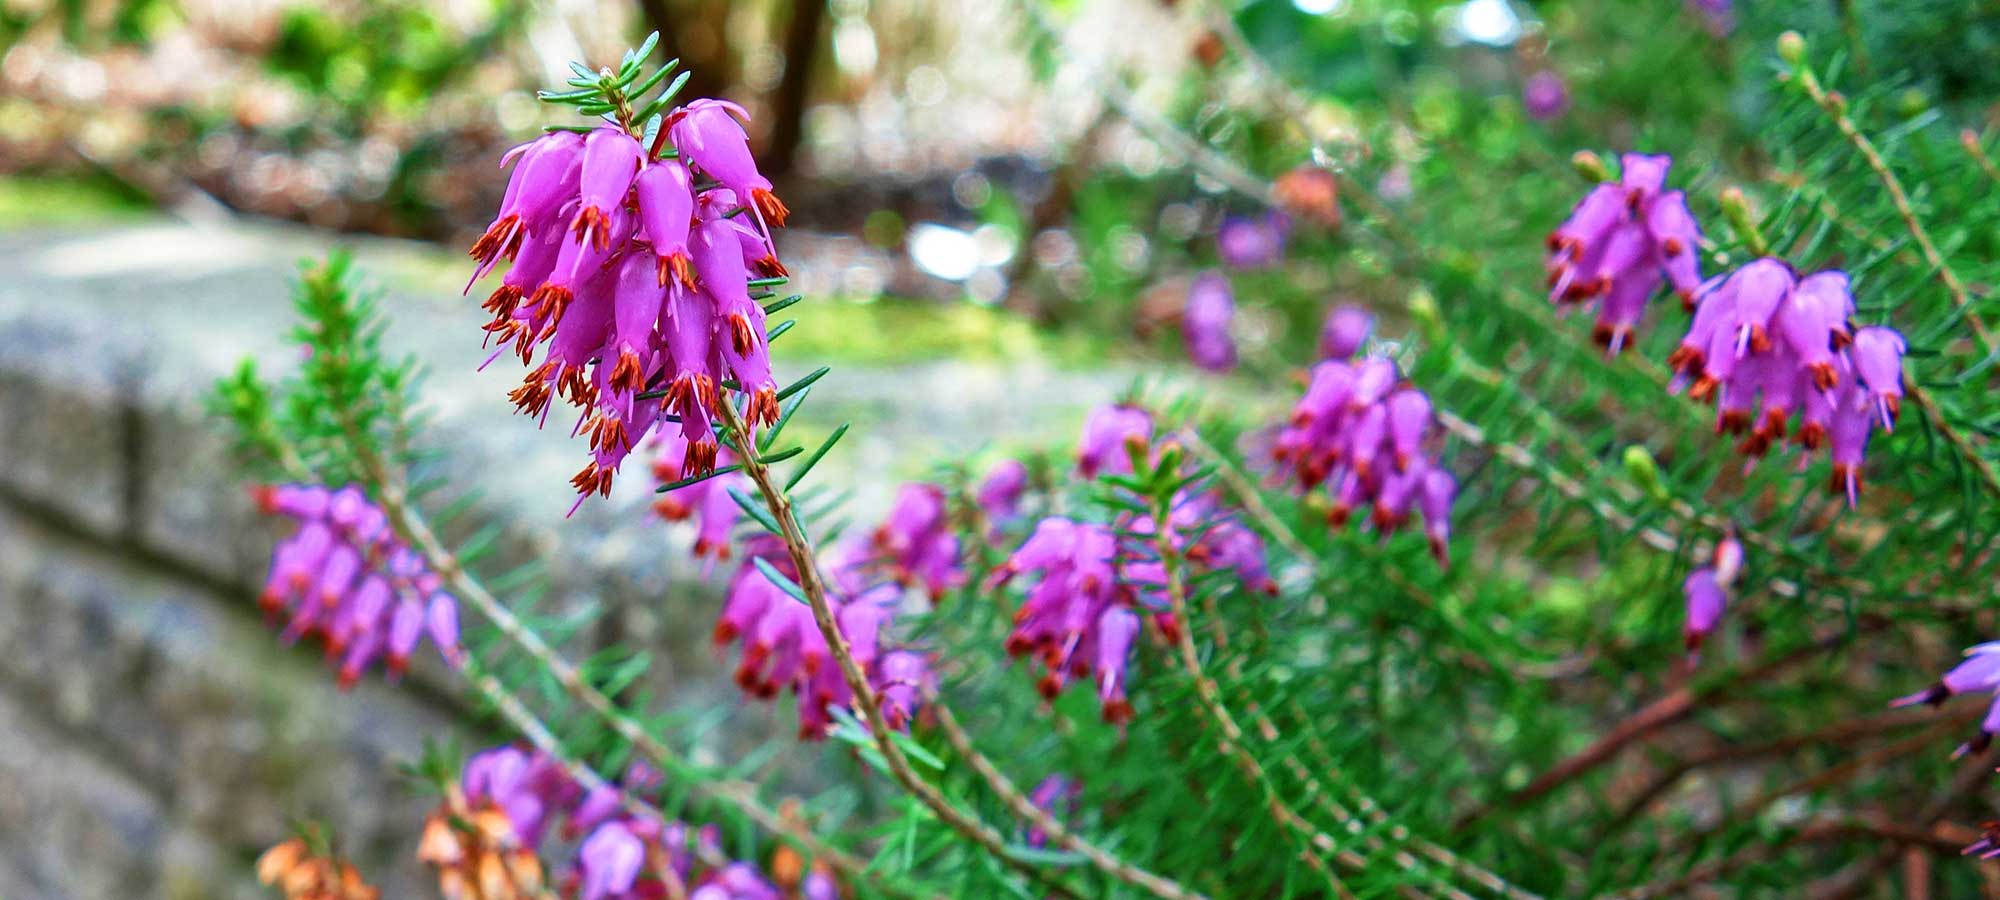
1345	331
1619	243
1706	600
1252	242
1205	323
343	577
1979	673
1111	437
1545	96
999	494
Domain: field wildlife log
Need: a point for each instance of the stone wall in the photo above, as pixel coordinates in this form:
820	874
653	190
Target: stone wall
154	736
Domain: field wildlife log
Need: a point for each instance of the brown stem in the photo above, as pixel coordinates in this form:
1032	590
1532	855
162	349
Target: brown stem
1231	743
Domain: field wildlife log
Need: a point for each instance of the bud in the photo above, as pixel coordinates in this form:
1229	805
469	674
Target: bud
1792	47
1644	472
1736	208
1424	311
1590	166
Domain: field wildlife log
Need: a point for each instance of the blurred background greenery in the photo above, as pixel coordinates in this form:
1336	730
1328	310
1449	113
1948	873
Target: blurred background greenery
978	150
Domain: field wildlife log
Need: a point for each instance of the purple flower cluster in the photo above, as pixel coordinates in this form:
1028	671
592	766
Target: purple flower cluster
782	645
1361	430
1978	674
1093	584
1077	619
1766	344
493	826
343	577
1620	242
999	493
630	269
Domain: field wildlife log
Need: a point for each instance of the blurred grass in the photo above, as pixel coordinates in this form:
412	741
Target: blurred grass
27	200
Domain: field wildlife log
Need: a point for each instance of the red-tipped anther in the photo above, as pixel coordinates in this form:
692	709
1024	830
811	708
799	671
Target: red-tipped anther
763	406
627	374
1118	711
266	498
769	267
1703	389
593	225
503	301
1812	435
677	266
503	236
770	207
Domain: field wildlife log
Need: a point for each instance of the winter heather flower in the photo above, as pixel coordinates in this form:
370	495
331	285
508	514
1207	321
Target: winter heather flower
1057	796
1978	674
1363	432
1252	242
486	838
630	279
1621	241
1111	436
783	647
707	502
1765	346
1077	619
916	546
294	868
343	577
1345	332
1211	308
999	494
1988	845
1706	600
1545	96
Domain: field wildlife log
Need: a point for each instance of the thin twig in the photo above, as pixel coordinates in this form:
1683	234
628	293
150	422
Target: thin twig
966	823
1210	695
1836	110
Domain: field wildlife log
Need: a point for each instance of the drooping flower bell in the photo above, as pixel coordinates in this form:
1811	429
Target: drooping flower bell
1205	323
1111	436
1545	96
343	577
1766	346
1252	242
1978	674
1345	332
916	545
1706	599
999	494
633	287
707	502
1619	243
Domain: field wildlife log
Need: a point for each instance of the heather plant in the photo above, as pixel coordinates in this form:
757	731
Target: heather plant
1200	653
